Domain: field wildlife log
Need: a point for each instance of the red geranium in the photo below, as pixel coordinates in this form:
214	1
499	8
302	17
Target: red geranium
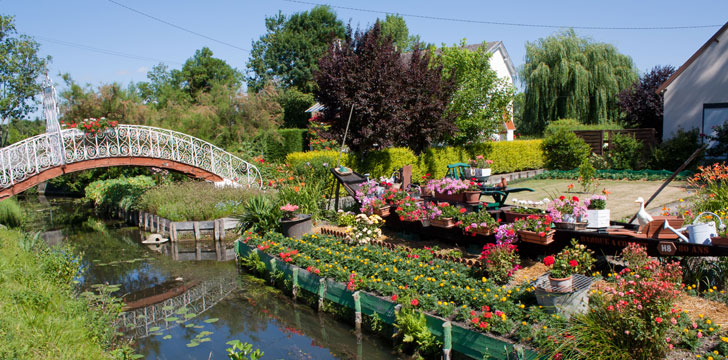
414	302
549	260
573	263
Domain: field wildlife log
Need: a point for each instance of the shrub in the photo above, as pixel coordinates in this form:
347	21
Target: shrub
501	261
308	196
711	184
564	150
672	153
123	192
574	124
11	214
260	215
625	152
385	162
328	157
291	140
719	142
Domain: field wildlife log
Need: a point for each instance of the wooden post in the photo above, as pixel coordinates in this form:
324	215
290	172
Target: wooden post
295	284
173	232
357	312
196	229
321	294
447	340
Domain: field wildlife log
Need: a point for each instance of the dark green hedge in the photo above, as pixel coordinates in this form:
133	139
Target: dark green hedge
291	140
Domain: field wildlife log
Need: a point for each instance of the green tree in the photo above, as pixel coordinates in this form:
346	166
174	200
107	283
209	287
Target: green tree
395	27
481	99
201	71
294	104
566	76
20	70
288	53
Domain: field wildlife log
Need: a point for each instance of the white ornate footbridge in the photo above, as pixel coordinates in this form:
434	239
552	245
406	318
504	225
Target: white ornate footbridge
45	156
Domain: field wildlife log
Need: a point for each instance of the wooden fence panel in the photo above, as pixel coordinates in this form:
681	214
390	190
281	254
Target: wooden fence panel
596	138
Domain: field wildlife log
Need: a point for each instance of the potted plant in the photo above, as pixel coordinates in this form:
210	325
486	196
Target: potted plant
535	229
522	209
567	213
443	214
575	259
472	193
377	206
448	189
479	222
365	229
292	224
480	167
410	209
597	214
92	126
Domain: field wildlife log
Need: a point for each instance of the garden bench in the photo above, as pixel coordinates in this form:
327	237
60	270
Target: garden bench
499	193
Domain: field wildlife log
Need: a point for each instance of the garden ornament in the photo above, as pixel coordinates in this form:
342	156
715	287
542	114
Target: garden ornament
643	217
698	233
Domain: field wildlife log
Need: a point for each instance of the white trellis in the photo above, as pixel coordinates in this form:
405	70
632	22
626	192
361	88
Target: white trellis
36	154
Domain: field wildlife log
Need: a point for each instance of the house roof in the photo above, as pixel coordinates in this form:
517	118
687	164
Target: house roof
692	59
509	125
316	107
490	47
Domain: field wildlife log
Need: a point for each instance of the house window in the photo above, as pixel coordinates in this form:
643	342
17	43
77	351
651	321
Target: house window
714	115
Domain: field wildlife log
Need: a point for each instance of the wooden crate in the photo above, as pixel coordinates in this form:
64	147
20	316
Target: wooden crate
656	230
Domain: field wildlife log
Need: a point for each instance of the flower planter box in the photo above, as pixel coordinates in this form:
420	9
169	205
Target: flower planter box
450	197
510	216
483	231
383	211
472	197
597	218
571	225
443	223
533	237
719	241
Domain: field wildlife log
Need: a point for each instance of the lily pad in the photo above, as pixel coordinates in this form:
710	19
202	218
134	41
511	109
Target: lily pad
154	328
190	316
211	320
168	308
204	340
182	310
171	318
167	337
193	344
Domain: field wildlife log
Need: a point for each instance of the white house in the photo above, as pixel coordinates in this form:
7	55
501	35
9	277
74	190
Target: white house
500	61
696	95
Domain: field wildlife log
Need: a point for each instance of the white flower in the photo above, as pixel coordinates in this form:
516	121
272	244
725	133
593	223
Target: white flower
546	200
530	202
515	200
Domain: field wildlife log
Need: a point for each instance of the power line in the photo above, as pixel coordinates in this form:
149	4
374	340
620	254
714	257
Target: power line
508	23
177	26
102	51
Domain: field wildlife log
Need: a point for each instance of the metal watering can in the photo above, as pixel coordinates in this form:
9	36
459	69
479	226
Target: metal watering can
698	233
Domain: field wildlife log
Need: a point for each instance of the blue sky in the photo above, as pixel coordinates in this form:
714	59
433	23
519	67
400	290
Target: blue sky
67	30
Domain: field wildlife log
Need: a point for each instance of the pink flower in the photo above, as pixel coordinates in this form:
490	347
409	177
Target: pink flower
700	334
414	302
673	321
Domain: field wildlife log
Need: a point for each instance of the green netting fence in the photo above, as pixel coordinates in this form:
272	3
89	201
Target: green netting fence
470	343
609	174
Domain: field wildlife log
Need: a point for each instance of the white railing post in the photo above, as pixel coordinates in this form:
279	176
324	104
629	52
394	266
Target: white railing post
35	155
212	159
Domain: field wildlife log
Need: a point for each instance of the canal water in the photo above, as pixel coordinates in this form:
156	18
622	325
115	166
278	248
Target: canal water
191	309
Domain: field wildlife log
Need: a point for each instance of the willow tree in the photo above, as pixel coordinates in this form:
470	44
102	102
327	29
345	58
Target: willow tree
566	76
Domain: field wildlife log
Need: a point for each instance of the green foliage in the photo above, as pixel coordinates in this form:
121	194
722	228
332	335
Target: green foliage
395	27
202	71
309	198
23	129
649	175
517	155
11	214
385	162
587	175
294	104
670	154
564	150
20	73
122	192
194	201
260	215
289	51
328	157
573	124
566	76
481	100
625	152
413	327
288	141
242	351
42	316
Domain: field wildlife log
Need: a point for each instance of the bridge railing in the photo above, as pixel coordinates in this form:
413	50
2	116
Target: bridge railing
34	155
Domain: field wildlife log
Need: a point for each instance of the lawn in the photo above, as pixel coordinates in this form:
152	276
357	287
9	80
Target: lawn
620	200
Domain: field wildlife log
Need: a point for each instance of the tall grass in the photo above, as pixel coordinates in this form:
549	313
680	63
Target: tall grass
194	201
11	214
41	316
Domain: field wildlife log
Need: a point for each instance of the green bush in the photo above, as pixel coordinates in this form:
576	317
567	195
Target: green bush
11	214
563	150
294	104
573	124
625	152
194	201
649	175
123	192
385	162
319	156
291	140
517	155
670	154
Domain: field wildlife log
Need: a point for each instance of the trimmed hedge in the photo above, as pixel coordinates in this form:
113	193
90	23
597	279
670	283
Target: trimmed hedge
292	140
649	175
507	156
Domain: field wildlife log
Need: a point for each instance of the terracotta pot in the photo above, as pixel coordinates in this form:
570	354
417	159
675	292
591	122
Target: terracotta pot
472	197
562	285
510	216
571	225
533	237
450	197
443	223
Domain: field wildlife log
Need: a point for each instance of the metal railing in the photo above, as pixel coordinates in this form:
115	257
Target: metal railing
36	154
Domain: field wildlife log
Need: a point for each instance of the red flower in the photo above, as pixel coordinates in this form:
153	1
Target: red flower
462	210
541	234
549	260
562	197
414	302
658	319
394	297
573	263
483	325
575	199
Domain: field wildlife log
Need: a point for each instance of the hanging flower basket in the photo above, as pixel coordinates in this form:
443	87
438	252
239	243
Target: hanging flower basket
536	238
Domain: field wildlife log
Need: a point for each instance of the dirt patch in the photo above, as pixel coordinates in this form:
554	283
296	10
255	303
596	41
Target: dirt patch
620	200
716	311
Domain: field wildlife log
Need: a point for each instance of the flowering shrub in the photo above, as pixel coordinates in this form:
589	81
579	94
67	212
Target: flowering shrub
92	126
366	229
563	209
538	224
505	234
288	211
393	196
315	128
576	259
501	261
480	162
637	309
444	210
448	186
711	183
477	220
410	209
597	202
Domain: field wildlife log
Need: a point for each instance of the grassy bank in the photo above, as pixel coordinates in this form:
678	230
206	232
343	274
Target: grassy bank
42	316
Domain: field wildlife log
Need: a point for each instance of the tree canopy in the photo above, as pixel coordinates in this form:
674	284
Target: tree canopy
20	71
395	27
396	102
481	100
641	104
289	51
566	76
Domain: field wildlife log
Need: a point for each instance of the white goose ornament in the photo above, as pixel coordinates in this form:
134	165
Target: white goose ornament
643	217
